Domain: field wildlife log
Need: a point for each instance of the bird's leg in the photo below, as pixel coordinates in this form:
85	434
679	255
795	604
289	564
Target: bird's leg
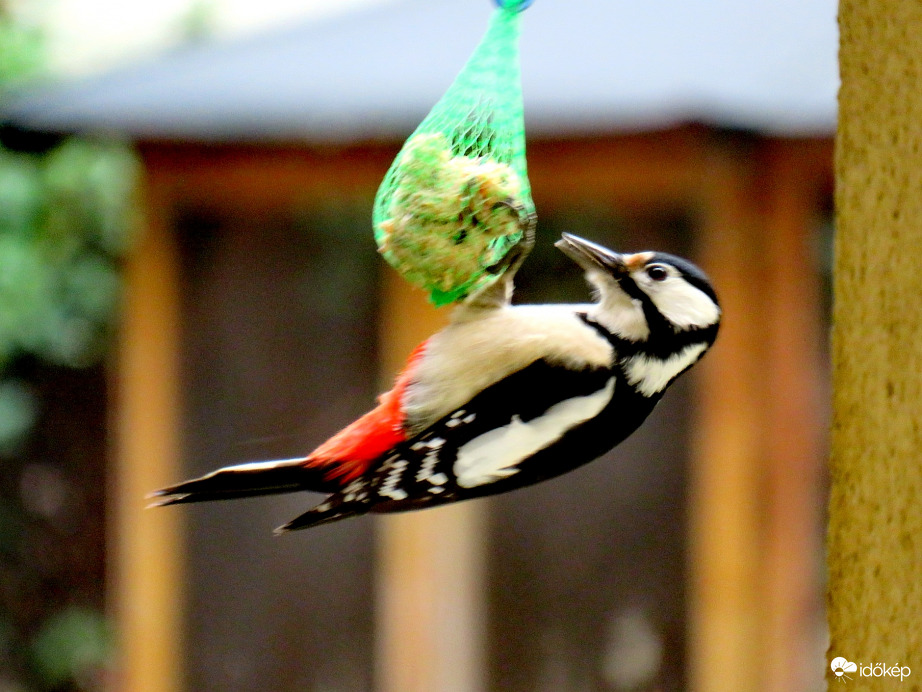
528	220
499	292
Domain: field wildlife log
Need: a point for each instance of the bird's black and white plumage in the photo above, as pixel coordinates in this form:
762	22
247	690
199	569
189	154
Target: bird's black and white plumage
504	396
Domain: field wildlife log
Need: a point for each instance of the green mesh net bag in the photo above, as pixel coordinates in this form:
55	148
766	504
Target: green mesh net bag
457	198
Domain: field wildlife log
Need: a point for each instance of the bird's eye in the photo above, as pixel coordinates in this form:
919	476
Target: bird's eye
657	272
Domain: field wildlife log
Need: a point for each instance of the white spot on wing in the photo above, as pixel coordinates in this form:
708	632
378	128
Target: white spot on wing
394	493
355	486
459	418
389	487
429	463
650	375
495	454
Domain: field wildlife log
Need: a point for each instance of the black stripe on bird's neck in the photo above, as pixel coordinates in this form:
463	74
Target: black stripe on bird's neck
663	341
660	328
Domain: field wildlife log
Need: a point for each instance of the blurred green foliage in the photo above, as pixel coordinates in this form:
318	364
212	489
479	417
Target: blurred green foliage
67	217
65	220
21	50
73	644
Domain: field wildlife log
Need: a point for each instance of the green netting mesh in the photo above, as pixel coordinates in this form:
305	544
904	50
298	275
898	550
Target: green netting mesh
456	198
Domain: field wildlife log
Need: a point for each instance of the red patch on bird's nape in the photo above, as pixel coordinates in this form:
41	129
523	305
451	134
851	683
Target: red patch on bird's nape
351	451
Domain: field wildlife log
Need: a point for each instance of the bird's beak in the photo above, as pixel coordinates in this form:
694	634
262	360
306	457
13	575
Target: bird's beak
589	255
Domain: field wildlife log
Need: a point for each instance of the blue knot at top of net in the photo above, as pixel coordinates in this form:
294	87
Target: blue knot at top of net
514	5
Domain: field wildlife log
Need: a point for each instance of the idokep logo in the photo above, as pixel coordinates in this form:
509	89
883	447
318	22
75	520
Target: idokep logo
841	667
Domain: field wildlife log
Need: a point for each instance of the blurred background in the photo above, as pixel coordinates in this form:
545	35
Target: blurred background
188	279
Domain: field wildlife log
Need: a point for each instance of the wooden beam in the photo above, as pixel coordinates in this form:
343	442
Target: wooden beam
146	547
430	564
724	608
431	593
660	168
755	487
640	170
794	415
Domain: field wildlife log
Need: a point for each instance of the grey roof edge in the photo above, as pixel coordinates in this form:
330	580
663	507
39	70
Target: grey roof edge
125	100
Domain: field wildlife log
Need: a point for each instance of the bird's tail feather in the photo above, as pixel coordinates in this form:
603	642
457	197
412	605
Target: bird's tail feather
246	480
332	509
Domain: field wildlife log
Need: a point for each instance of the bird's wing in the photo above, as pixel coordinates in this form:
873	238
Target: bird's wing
477	351
502	433
493	435
480	349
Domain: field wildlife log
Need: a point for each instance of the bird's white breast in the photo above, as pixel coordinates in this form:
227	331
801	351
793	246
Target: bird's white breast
479	348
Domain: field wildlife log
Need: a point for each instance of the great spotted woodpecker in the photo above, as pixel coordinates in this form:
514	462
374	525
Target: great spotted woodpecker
504	396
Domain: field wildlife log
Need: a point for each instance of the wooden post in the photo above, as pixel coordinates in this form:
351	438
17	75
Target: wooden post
793	416
875	523
724	611
430	564
146	546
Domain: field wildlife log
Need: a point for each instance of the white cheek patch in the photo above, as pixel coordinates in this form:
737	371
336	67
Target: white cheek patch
495	454
650	375
685	306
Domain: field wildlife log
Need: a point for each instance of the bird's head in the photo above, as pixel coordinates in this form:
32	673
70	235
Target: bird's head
647	296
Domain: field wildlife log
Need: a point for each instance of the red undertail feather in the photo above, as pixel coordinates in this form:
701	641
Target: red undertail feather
351	451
